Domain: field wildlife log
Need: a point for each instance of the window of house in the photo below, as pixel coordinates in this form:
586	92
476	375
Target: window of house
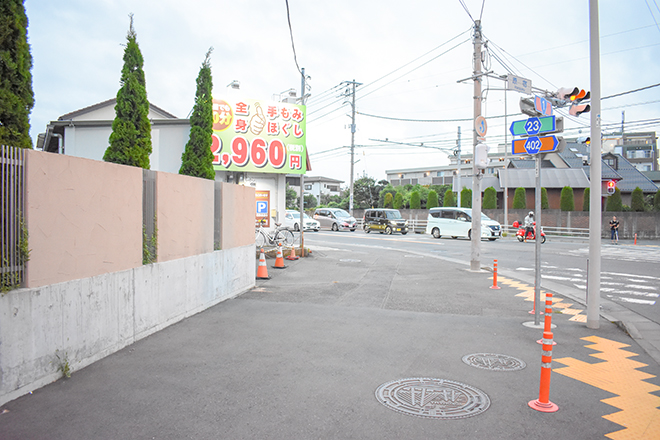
308	187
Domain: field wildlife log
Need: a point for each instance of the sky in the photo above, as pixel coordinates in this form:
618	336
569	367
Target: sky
408	57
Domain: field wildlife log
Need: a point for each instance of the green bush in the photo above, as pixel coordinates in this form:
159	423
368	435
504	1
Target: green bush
490	198
637	200
544	199
432	200
585	201
415	201
656	201
614	203
520	199
449	200
566	200
388	200
398	201
466	198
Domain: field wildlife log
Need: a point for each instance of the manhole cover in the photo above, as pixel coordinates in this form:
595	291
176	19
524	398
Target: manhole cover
433	398
497	362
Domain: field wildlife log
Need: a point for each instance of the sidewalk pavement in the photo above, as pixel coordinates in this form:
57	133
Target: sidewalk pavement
302	355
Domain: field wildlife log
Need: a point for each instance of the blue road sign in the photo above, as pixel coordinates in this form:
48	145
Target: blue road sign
532	145
262	207
533	126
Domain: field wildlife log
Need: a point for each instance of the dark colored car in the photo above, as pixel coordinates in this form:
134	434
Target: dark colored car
385	221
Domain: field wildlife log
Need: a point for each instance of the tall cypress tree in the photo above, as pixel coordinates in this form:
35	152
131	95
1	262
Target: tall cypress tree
16	96
130	140
197	158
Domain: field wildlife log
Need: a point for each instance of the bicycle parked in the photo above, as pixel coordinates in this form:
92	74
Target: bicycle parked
281	235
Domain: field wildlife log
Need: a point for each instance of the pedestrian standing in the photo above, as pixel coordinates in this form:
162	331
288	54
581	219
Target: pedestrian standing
614	230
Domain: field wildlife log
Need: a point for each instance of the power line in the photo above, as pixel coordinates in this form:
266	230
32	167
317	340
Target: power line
631	91
293	46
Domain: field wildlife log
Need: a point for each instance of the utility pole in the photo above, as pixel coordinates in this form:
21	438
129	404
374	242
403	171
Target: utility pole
302	177
350	200
595	176
458	177
475	254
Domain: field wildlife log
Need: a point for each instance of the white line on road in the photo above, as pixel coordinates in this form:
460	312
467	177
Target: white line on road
632	300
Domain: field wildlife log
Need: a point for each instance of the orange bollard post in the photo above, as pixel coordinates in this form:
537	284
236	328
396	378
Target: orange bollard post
547	322
262	270
279	259
543	403
635	239
495	286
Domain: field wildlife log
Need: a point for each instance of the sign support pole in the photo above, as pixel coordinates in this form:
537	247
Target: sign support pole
537	241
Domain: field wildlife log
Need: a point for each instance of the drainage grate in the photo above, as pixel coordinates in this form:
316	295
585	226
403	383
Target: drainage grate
433	398
491	361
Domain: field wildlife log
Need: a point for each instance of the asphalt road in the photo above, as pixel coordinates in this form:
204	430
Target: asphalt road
629	272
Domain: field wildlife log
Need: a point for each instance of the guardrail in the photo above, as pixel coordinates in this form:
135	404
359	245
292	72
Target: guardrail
566	232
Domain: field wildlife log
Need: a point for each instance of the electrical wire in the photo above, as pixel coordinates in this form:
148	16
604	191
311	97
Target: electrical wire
466	10
293	46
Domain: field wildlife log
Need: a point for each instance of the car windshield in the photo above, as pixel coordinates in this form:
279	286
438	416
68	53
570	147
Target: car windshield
296	214
393	215
340	213
483	216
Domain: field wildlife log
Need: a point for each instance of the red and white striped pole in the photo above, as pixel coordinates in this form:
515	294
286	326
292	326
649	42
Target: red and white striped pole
543	403
495	286
547	323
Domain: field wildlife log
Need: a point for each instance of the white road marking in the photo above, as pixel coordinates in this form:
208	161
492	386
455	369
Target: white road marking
632	300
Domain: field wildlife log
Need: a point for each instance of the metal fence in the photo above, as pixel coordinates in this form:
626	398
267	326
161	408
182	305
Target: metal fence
149	220
14	251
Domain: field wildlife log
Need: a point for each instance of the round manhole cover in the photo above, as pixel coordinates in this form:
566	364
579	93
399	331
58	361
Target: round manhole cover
433	398
491	361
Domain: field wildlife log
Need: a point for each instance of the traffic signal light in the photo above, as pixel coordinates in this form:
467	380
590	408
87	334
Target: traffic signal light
565	92
575	96
611	187
578	109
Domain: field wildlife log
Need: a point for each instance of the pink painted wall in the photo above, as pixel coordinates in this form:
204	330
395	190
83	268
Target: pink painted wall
184	216
238	201
84	218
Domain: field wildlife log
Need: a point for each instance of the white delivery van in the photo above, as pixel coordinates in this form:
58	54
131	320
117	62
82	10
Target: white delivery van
457	222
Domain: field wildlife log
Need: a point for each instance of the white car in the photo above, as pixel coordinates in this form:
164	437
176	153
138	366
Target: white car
457	222
292	220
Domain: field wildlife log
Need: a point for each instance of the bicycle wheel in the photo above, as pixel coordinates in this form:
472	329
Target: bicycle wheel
259	239
285	237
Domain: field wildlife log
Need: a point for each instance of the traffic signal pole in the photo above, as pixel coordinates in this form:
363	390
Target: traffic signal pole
475	253
595	196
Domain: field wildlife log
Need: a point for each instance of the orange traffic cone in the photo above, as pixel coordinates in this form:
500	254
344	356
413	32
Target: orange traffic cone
262	270
292	255
279	260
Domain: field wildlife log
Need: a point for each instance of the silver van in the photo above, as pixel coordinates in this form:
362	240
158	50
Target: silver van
335	218
457	222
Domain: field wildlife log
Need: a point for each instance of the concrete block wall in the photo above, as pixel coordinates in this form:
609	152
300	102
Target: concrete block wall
87	319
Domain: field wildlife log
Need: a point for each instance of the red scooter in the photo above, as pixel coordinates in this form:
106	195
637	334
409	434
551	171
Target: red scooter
520	235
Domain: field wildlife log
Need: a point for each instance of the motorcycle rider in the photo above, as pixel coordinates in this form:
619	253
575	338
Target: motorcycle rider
529	224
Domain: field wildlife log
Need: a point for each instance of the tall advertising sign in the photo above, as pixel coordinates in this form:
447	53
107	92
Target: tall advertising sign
259	136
